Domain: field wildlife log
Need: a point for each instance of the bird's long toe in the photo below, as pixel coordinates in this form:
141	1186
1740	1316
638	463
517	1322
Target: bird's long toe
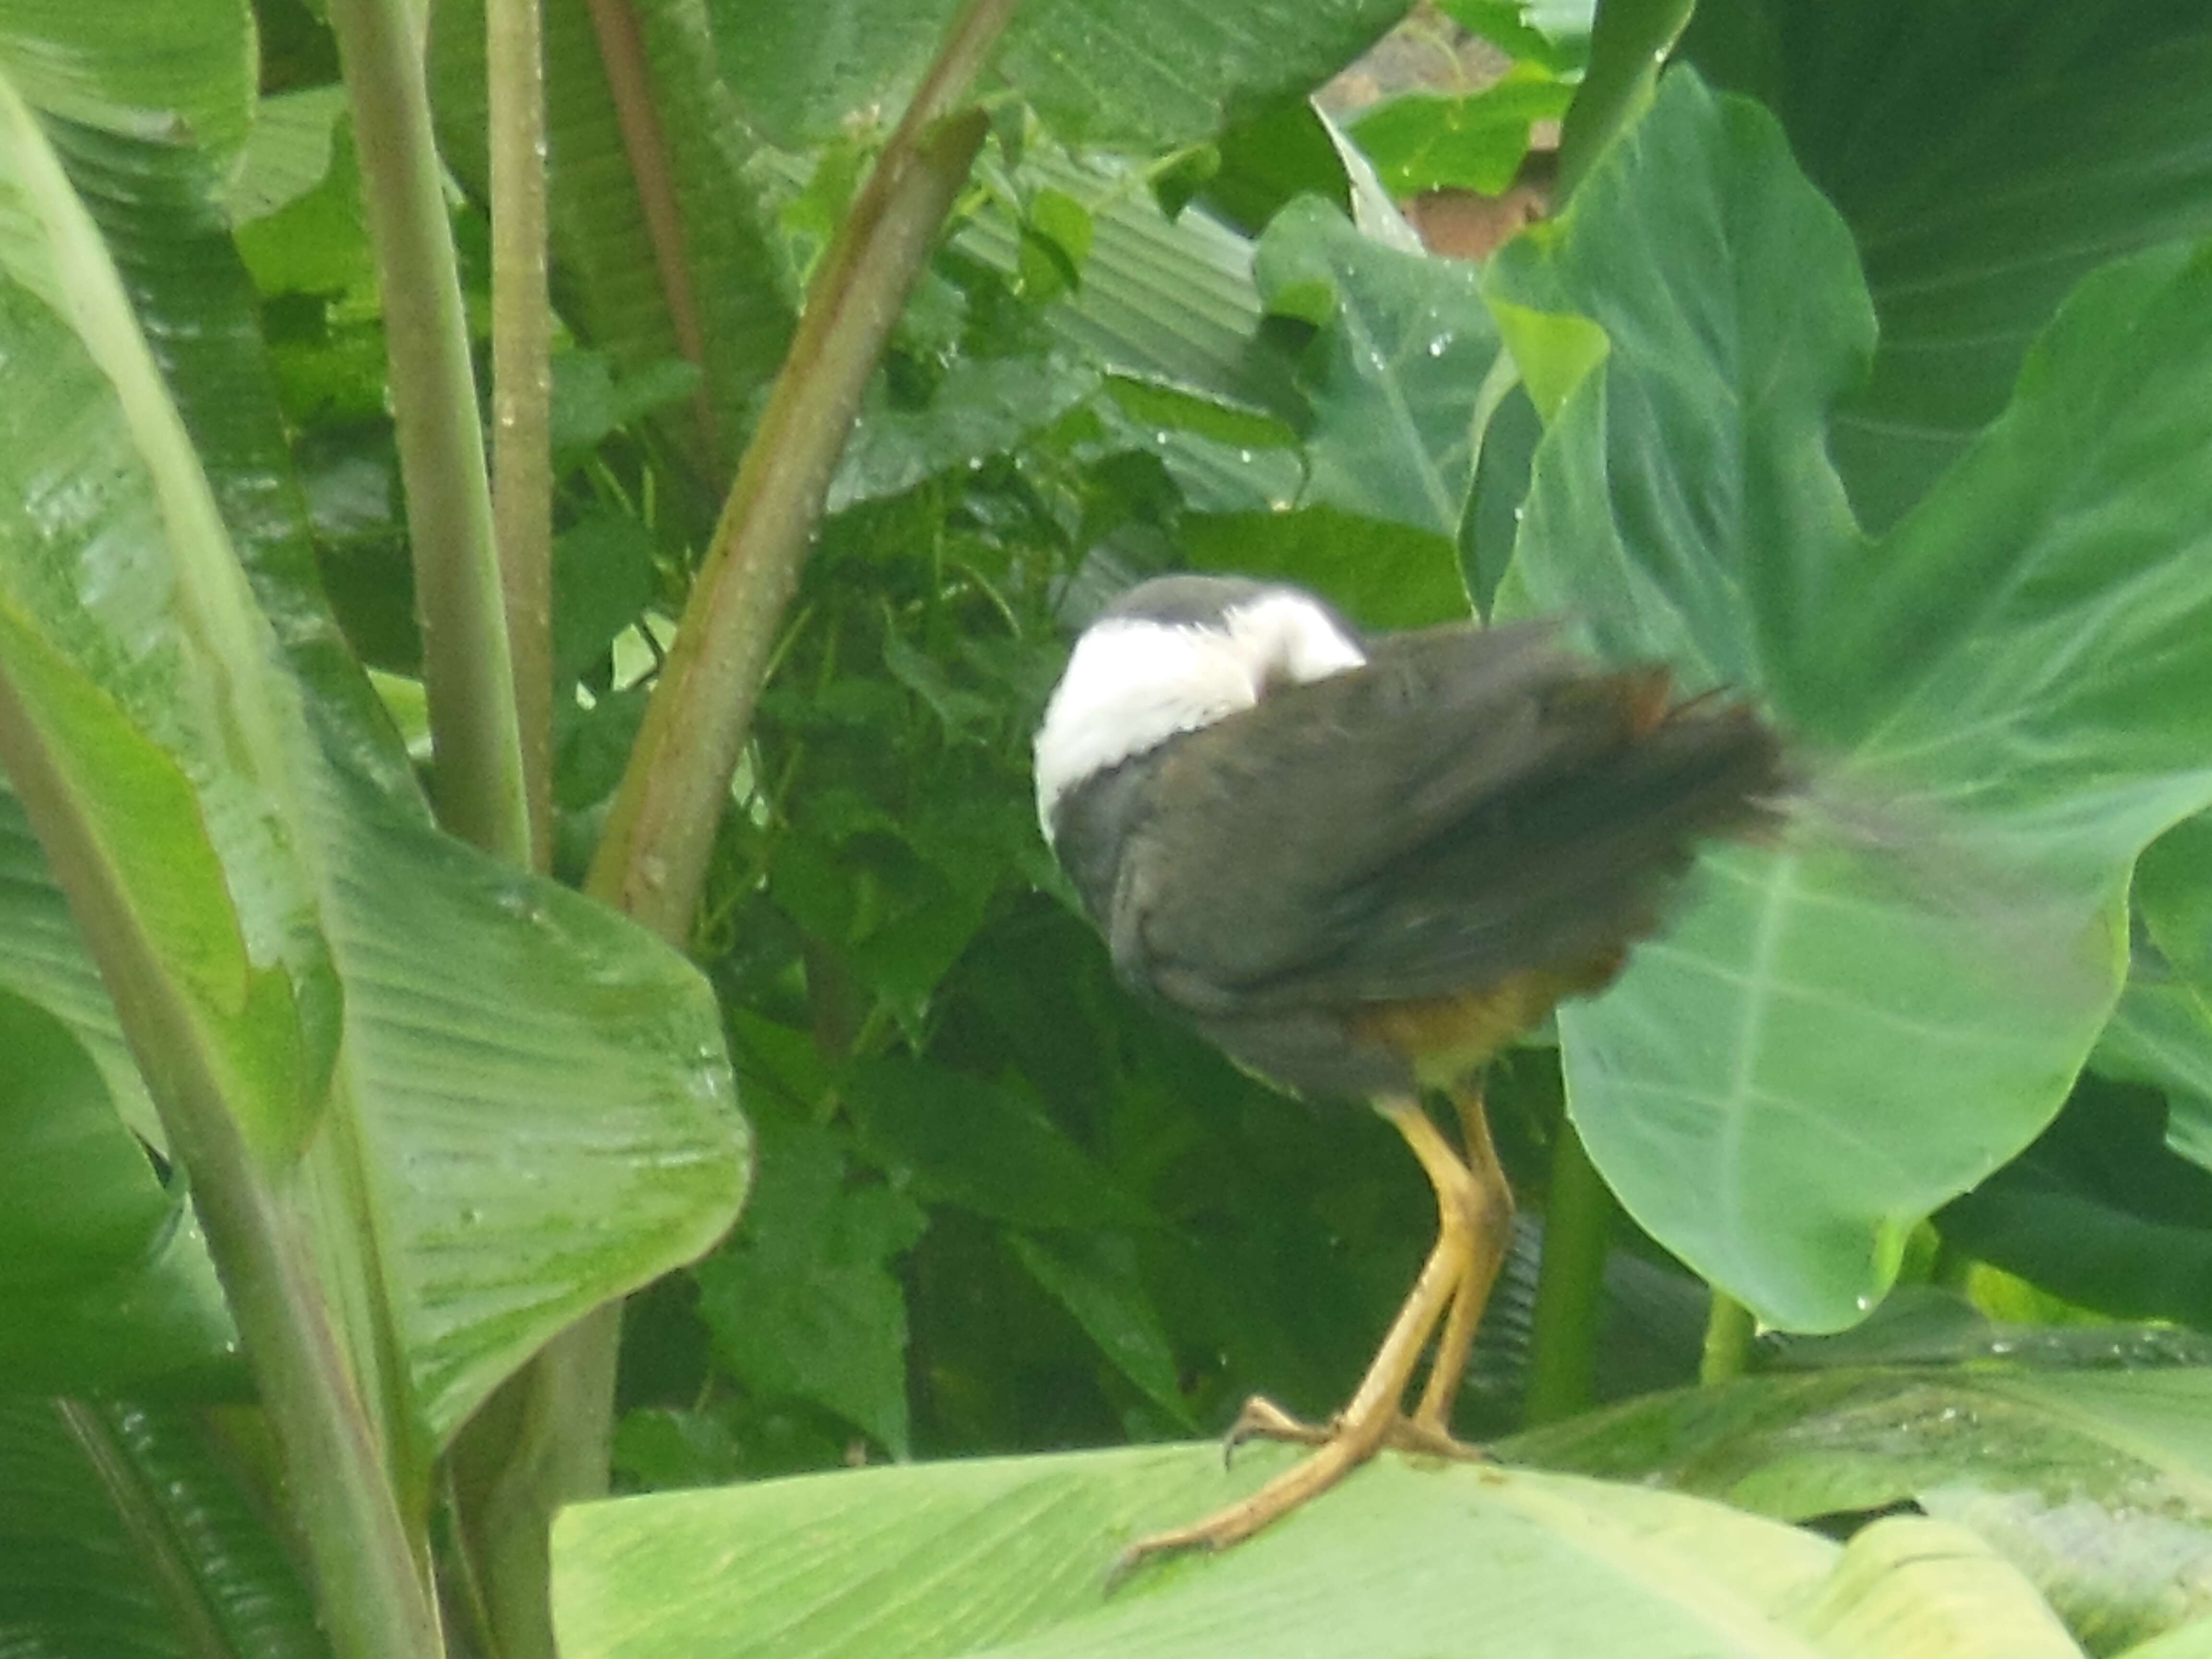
1261	1418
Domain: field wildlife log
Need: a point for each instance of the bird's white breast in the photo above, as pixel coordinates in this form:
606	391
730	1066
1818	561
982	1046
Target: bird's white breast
1132	684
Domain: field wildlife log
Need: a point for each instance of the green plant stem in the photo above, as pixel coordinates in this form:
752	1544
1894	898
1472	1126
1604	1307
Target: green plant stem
652	861
637	118
1629	43
543	1439
1569	1284
466	672
370	1584
522	389
1729	1332
526	1452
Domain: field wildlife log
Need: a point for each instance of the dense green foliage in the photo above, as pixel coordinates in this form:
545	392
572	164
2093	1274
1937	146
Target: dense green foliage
1862	373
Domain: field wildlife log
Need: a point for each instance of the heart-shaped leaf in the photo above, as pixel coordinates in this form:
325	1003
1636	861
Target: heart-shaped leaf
2001	701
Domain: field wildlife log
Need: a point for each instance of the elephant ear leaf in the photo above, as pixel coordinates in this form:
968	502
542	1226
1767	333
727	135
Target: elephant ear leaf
430	1107
1846	1029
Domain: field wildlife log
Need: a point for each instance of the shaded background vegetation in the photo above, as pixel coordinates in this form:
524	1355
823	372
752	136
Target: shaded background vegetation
1001	1207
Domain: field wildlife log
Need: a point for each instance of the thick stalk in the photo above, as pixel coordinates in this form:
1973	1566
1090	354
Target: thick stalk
1629	43
1730	1329
466	674
645	147
527	1453
522	388
542	1440
1571	1283
653	860
370	1586
548	1430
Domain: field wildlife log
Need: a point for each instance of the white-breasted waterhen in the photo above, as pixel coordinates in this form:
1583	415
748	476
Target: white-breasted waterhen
1361	866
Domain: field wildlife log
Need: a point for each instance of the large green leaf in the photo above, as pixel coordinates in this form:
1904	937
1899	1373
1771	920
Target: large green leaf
2101	1211
113	1289
609	278
541	1089
532	1107
161	212
131	642
124	1536
983	407
176	72
1425	141
1396	376
2001	700
2161	1033
2191	1641
1167	301
1148	75
1987	157
2174	886
1405	1561
2098	1485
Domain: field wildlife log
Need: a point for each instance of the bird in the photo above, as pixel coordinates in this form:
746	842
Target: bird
1361	865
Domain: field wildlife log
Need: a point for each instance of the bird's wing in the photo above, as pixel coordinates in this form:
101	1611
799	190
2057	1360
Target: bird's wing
1470	805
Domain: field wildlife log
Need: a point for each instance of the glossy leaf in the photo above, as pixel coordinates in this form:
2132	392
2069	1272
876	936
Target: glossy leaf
112	1288
159	208
1165	301
1425	142
738	287
983	407
543	1090
148	704
514	1060
1151	74
186	69
2092	1484
2103	1211
2190	1641
1388	575
1841	1032
1404	1562
1987	158
1395	377
125	1535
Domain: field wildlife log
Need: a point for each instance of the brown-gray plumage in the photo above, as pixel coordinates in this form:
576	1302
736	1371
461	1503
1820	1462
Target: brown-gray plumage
1470	805
1361	867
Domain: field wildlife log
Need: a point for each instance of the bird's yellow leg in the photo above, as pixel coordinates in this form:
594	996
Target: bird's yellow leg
1372	1417
1488	1200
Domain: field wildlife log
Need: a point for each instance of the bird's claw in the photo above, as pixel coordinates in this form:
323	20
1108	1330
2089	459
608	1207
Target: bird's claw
1261	1418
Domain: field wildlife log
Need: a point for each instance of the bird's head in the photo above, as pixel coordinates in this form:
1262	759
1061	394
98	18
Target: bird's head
1172	655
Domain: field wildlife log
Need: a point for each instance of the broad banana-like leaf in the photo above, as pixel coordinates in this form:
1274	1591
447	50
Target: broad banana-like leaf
1407	1560
2094	1484
480	1104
